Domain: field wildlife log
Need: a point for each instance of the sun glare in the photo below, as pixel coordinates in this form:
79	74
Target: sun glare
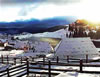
90	11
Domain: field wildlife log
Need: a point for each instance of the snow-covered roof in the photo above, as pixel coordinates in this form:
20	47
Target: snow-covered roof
20	44
42	47
76	48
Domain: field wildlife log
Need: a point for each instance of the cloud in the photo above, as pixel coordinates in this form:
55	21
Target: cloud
61	1
39	9
26	9
7	2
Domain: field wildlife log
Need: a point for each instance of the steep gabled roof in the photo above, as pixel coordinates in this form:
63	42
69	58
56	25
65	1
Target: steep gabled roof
42	47
76	48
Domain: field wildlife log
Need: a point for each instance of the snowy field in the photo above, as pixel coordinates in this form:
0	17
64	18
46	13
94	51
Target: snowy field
76	74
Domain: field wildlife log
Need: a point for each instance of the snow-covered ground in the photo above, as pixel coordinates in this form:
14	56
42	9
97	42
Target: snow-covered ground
98	49
57	34
76	74
1	48
71	74
12	52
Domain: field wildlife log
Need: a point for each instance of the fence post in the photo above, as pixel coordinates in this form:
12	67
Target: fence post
7	59
49	69
86	58
26	59
15	61
43	60
35	75
57	59
33	59
8	72
27	67
81	64
68	59
2	58
21	60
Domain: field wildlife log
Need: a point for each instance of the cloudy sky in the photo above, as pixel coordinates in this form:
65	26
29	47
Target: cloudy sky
12	10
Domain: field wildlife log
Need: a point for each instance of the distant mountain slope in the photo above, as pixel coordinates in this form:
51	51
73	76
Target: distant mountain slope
34	25
55	28
56	34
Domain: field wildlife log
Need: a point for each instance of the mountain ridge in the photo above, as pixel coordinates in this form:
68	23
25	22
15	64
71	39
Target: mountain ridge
34	25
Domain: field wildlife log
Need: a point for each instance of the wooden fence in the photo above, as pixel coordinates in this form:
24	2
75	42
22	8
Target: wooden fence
27	68
14	60
19	70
